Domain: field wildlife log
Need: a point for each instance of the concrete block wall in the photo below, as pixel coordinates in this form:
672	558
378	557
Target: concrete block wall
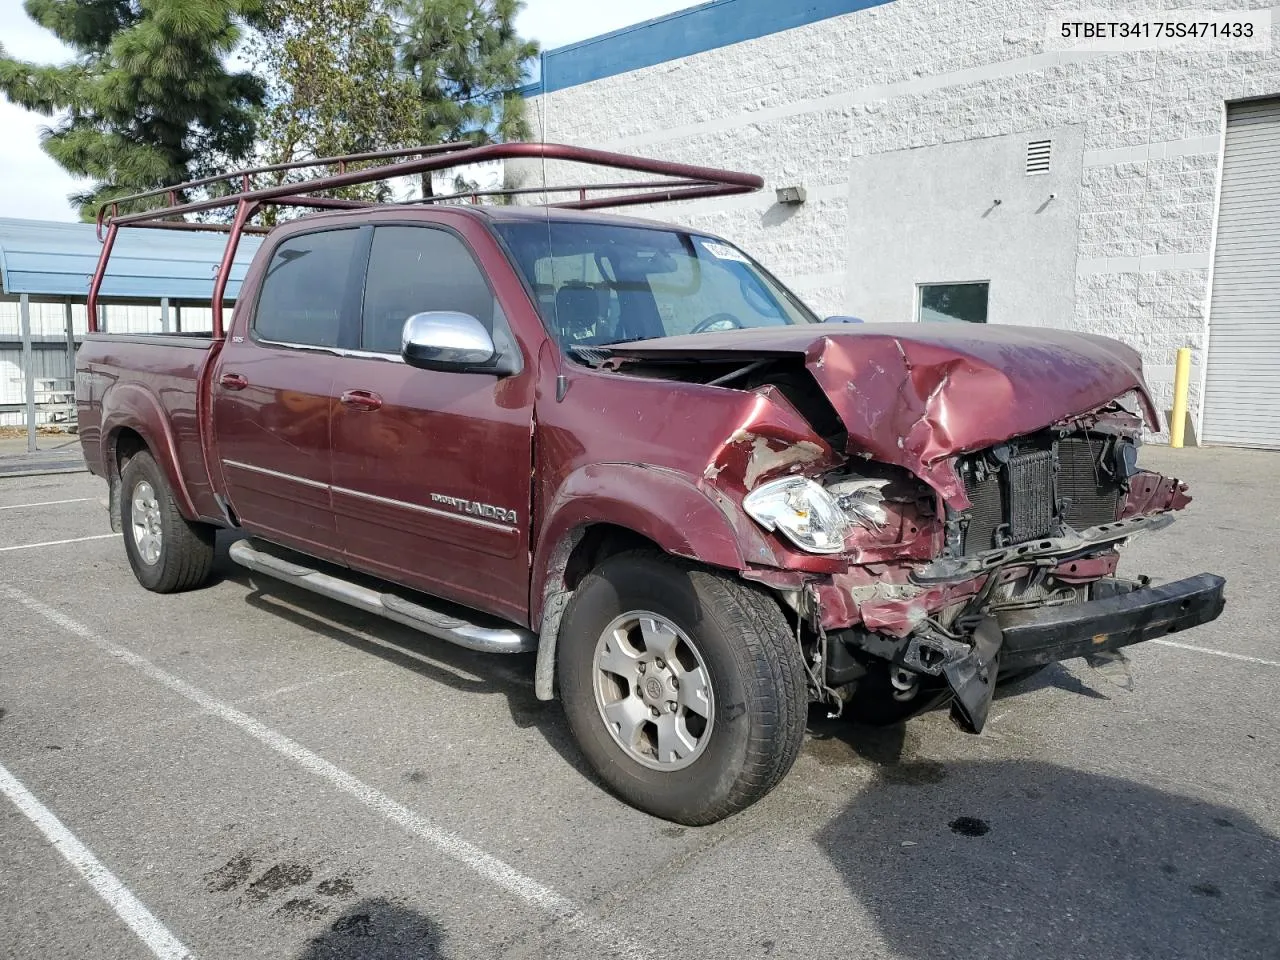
798	106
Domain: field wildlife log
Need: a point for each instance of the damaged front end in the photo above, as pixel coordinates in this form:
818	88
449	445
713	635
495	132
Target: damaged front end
953	543
1023	575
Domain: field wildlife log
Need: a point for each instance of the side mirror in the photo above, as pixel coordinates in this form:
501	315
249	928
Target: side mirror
454	342
839	319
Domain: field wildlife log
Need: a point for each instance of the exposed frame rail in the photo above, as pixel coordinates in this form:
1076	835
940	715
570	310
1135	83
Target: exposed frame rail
682	182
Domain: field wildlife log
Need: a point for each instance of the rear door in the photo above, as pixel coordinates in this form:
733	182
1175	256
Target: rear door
431	470
272	389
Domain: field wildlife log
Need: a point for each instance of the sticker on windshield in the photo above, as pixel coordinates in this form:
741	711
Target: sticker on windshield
722	251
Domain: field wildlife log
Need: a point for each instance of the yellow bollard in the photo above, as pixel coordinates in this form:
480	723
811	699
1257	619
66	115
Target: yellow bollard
1181	383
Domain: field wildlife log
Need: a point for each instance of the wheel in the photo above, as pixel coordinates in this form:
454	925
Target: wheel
167	552
877	702
684	688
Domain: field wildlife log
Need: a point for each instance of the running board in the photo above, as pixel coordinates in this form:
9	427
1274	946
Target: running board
473	636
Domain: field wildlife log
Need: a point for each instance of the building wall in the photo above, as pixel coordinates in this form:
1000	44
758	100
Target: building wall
977	216
815	104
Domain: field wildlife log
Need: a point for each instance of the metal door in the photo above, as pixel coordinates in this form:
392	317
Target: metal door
1242	380
273	390
431	470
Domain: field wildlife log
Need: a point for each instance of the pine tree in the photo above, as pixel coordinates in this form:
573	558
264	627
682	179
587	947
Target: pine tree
465	61
148	100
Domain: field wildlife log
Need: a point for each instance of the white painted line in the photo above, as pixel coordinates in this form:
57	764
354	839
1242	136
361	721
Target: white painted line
58	543
491	868
295	687
47	503
1218	653
127	907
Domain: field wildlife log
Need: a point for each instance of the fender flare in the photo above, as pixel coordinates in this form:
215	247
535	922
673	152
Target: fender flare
130	405
667	507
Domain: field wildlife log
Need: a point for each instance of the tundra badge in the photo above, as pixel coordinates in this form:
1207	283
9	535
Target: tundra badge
486	510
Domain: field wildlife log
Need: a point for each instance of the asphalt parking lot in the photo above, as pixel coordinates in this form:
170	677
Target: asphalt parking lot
251	771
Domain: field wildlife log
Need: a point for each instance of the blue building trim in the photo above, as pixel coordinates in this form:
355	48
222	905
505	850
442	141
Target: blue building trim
681	34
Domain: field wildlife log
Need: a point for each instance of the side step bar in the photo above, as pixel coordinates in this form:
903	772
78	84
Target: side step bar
473	636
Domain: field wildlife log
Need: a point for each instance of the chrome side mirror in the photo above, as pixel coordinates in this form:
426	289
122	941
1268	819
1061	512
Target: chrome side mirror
456	342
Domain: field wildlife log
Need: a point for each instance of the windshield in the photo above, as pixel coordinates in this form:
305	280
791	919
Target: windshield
599	284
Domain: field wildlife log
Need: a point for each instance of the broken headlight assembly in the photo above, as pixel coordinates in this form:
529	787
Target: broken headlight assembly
802	511
862	501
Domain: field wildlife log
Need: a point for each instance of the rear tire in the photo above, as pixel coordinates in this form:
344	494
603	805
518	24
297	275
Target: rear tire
704	677
167	552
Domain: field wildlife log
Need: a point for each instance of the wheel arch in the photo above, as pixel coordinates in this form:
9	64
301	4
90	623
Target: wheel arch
133	420
602	509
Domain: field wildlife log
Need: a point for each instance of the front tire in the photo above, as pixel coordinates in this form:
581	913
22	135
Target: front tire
167	552
684	688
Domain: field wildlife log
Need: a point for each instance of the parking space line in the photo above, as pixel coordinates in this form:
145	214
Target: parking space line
47	503
1218	653
295	687
496	871
126	906
58	543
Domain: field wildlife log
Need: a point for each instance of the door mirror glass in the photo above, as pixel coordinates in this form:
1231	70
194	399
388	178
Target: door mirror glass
457	342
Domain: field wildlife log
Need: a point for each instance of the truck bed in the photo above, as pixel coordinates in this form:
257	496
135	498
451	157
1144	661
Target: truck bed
155	385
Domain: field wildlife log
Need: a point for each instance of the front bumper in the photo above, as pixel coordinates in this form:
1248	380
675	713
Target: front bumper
1121	613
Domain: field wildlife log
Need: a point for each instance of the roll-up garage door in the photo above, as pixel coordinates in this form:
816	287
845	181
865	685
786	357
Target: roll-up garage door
1242	382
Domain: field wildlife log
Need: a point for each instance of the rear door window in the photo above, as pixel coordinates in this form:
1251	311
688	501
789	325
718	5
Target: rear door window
305	288
421	270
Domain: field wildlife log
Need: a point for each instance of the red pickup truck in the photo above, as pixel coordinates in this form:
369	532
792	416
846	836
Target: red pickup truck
629	448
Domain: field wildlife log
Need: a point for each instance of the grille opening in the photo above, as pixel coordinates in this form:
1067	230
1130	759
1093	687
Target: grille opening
1030	496
1092	497
1038	156
986	516
1020	499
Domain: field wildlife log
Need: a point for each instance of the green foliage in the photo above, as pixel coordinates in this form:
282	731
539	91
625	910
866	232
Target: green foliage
350	76
148	100
465	59
333	84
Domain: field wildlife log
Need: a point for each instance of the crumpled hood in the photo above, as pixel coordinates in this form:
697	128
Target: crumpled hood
917	394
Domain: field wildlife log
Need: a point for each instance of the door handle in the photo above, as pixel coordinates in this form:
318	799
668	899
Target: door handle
233	381
362	400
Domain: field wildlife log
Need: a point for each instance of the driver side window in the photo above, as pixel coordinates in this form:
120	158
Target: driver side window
419	270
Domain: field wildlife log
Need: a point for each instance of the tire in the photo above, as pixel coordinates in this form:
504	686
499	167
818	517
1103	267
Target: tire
167	552
732	638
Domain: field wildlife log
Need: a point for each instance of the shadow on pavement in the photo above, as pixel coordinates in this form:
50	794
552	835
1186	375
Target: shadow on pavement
510	675
377	929
1024	859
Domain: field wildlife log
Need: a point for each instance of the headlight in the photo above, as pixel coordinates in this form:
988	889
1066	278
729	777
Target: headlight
802	511
862	502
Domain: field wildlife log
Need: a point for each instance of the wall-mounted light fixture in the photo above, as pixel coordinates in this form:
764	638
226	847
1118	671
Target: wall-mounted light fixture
792	195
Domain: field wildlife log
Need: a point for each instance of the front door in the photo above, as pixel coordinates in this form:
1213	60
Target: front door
272	390
431	481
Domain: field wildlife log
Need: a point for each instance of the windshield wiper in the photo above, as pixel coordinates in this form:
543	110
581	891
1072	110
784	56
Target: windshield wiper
594	355
618	343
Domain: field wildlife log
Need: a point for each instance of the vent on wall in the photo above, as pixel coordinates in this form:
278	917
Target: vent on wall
1038	156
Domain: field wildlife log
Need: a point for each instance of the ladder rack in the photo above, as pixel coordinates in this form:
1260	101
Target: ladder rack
680	182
